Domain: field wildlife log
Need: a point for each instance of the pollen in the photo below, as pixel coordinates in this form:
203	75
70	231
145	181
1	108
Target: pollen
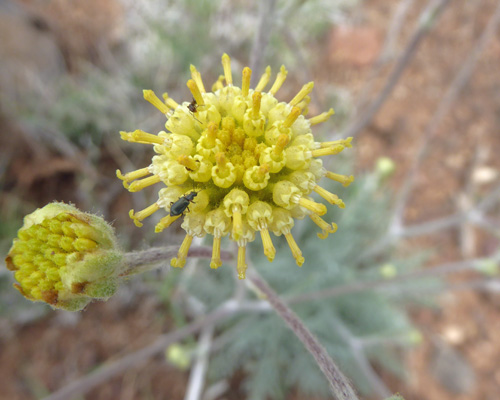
237	162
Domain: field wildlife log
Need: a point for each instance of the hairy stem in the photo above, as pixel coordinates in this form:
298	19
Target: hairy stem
146	260
339	384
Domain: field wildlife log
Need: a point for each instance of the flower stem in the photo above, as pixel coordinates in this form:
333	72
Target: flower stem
146	260
339	384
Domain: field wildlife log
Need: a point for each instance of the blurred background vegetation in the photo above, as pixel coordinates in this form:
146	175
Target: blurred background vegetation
72	76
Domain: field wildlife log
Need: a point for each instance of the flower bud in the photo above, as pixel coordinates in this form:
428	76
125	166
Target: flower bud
65	257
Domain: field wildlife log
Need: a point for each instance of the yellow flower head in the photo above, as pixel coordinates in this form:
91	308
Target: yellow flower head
236	161
65	257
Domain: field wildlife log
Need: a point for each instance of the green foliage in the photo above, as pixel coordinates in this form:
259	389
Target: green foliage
395	397
88	108
311	19
262	345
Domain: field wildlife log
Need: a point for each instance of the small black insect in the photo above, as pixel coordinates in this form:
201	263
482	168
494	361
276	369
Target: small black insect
193	106
182	204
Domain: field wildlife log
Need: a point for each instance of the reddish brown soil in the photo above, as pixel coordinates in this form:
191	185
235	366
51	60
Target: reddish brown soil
43	356
467	140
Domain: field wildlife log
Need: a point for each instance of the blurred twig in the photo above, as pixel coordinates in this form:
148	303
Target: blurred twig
294	46
397	23
467	236
113	368
339	384
451	95
56	140
198	371
485	223
360	286
397	228
476	215
387	52
426	21
232	307
358	352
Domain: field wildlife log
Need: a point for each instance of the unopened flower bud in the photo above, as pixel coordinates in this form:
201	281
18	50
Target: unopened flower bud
65	257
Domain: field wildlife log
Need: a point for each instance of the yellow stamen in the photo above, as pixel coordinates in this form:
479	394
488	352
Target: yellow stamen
245	81
280	79
169	101
218	83
148	211
256	99
242	266
343	142
143	183
228	124
323	117
327	151
237	222
190	164
180	261
264	80
195	91
329	197
304	105
343	179
150	96
283	140
324	226
221	159
262	171
297	254
267	243
290	119
306	89
197	78
132	176
139	136
316	208
216	261
165	222
210	134
226	64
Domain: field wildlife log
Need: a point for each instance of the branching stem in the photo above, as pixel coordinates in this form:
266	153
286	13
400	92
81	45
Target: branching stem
339	384
113	368
428	17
